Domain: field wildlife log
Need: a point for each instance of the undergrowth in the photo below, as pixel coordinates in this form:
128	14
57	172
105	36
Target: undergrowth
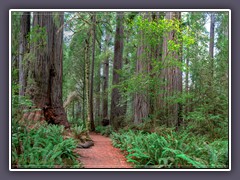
44	147
38	144
104	130
78	131
171	150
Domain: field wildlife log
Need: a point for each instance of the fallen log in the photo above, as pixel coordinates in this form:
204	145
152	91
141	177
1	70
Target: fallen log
87	144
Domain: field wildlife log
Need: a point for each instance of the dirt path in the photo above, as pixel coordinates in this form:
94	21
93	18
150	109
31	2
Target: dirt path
102	154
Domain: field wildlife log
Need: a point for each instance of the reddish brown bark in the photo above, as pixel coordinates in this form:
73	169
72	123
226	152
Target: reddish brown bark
98	92
105	81
172	76
117	110
92	73
141	101
45	76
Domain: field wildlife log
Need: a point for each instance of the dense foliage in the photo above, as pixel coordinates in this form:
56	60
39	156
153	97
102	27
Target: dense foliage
159	80
171	149
42	148
38	144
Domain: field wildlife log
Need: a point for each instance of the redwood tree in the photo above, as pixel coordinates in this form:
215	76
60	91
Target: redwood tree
147	52
141	101
45	76
105	80
23	49
211	42
117	110
92	72
172	74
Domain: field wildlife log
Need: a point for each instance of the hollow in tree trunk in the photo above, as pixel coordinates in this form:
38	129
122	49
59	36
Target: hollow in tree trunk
45	75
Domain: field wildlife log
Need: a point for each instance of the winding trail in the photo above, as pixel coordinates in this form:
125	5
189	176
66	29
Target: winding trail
102	154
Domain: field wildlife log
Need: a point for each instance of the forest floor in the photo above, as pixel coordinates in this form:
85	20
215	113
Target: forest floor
102	154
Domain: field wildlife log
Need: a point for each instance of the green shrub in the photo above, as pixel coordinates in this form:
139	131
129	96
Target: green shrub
78	131
201	122
75	121
104	130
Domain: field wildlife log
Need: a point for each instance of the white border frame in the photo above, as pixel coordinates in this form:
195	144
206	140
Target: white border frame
114	10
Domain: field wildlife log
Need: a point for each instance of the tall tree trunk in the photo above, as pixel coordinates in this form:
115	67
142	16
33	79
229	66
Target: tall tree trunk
92	72
179	78
126	63
186	84
211	44
15	43
187	76
23	49
98	88
145	102
172	76
87	82
84	93
117	110
156	54
45	78
141	103
105	80
211	54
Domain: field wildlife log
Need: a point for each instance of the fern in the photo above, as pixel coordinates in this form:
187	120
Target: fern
191	161
42	148
173	150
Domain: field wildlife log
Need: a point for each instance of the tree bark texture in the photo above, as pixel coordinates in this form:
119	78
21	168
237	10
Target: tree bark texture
105	80
155	55
211	44
172	76
97	90
45	81
145	102
23	49
87	81
92	72
117	110
141	100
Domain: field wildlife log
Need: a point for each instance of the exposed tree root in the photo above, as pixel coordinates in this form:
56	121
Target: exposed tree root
48	114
